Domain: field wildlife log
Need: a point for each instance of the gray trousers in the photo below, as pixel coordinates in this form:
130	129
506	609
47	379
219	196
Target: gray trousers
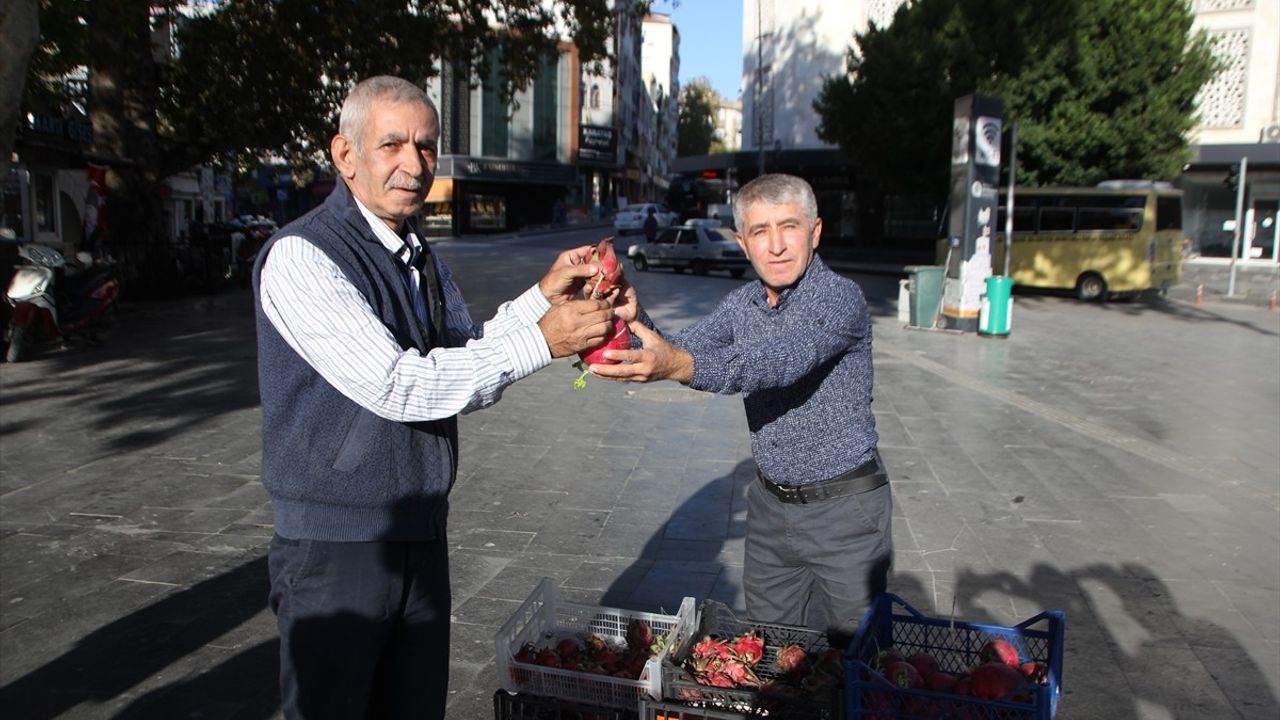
817	565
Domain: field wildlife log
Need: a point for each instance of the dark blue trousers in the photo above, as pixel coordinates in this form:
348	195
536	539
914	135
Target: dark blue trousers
364	628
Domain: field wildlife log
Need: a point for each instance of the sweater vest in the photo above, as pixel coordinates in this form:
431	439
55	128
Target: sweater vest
334	470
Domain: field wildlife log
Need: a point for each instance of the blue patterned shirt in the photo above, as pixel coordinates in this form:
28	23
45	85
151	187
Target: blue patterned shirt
803	368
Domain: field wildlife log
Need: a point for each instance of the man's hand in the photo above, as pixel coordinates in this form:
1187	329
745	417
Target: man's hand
626	304
567	275
656	360
574	325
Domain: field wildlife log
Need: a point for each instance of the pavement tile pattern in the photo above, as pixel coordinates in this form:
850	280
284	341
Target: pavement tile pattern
1118	462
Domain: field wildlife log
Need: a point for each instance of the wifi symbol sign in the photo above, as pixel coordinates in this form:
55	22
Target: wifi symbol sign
987	142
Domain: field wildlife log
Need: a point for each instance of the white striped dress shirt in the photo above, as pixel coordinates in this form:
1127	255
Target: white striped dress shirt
331	326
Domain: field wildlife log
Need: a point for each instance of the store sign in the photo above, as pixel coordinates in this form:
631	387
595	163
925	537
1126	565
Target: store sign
597	144
77	131
472	168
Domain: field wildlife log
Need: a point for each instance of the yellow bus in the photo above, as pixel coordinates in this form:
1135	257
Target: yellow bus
1118	238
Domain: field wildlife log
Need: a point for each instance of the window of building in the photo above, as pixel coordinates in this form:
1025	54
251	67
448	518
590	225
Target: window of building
594	101
495	129
545	96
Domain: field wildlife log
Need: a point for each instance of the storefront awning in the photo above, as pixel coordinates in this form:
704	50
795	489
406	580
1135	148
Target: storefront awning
441	190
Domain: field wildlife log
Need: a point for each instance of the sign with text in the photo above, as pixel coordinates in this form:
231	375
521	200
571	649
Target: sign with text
597	144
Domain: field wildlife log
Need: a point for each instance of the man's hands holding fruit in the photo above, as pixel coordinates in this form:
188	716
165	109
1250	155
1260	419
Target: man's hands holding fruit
657	359
613	358
568	274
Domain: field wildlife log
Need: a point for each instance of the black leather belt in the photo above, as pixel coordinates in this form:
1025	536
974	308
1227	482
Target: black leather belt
867	476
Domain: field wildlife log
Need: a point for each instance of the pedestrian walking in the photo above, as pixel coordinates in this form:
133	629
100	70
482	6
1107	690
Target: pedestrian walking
650	226
366	355
797	345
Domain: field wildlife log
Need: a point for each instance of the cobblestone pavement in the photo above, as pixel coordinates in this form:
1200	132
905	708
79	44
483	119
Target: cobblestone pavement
1118	462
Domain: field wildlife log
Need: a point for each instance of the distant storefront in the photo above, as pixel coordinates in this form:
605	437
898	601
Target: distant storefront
476	195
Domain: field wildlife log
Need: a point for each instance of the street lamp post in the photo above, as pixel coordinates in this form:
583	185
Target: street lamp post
759	118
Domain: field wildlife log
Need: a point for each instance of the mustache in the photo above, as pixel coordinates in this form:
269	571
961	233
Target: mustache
401	181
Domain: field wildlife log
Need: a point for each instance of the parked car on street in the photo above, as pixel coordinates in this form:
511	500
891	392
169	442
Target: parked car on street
632	217
700	248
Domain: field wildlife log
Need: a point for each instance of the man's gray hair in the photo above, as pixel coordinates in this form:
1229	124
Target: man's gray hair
775	189
355	109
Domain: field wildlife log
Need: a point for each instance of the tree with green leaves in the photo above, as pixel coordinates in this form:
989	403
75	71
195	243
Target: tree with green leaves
248	78
696	123
1099	88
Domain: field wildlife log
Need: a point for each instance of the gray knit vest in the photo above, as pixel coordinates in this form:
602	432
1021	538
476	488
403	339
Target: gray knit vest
334	470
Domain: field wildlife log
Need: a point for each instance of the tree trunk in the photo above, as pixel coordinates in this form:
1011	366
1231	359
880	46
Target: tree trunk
122	108
19	33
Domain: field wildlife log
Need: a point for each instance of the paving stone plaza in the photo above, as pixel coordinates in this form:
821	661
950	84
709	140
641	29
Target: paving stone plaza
1119	462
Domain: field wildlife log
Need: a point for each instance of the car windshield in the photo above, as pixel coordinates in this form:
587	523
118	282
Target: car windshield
719	234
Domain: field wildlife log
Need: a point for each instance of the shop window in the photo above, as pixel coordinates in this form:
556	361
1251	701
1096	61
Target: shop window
437	218
488	212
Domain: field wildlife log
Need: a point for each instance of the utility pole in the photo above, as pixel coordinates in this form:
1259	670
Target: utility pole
1235	237
1008	216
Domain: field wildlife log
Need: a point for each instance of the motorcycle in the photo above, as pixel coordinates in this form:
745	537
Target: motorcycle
52	301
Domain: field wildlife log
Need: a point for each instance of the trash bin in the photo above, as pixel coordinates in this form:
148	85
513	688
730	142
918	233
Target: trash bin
924	283
904	302
996	315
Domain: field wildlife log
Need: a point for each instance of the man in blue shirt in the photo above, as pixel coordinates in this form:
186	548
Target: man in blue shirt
797	345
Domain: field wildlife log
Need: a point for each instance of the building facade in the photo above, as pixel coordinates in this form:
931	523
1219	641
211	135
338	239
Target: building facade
660	67
1239	120
789	46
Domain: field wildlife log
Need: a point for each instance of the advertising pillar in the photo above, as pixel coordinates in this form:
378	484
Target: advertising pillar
975	177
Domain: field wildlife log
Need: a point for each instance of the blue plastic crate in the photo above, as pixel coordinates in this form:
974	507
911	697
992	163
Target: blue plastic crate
891	622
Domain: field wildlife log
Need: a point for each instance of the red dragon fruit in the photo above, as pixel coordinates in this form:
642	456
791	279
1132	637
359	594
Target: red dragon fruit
793	659
619	339
639	634
741	674
749	647
606	278
1001	651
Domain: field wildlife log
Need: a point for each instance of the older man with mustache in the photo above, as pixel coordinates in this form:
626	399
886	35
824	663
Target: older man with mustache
366	355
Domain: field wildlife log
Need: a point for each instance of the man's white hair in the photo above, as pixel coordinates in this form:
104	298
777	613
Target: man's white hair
355	109
775	189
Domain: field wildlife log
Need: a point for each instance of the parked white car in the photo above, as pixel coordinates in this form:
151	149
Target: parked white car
700	248
632	217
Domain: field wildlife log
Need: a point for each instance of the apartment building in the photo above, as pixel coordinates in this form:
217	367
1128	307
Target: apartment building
789	46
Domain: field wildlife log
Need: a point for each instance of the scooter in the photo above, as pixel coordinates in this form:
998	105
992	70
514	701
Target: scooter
50	303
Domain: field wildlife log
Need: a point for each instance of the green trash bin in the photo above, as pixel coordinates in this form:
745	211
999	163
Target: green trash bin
996	315
924	286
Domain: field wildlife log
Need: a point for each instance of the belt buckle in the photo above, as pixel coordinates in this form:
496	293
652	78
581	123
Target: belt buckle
797	495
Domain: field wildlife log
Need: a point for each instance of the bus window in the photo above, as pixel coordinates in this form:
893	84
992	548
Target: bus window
1168	213
1109	212
1057	219
1024	218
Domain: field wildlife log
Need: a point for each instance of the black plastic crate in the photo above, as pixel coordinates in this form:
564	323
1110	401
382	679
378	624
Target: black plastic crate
532	707
776	698
662	710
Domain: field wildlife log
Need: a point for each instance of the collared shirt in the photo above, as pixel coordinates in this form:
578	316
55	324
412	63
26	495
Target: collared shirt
330	325
803	368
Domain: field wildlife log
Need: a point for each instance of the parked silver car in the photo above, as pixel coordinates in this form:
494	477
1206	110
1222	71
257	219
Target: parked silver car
632	217
700	248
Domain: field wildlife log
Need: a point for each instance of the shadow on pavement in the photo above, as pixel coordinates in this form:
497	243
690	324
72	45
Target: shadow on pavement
112	660
187	360
1127	642
1149	303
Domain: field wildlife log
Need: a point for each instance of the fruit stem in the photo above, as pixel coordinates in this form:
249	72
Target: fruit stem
581	382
